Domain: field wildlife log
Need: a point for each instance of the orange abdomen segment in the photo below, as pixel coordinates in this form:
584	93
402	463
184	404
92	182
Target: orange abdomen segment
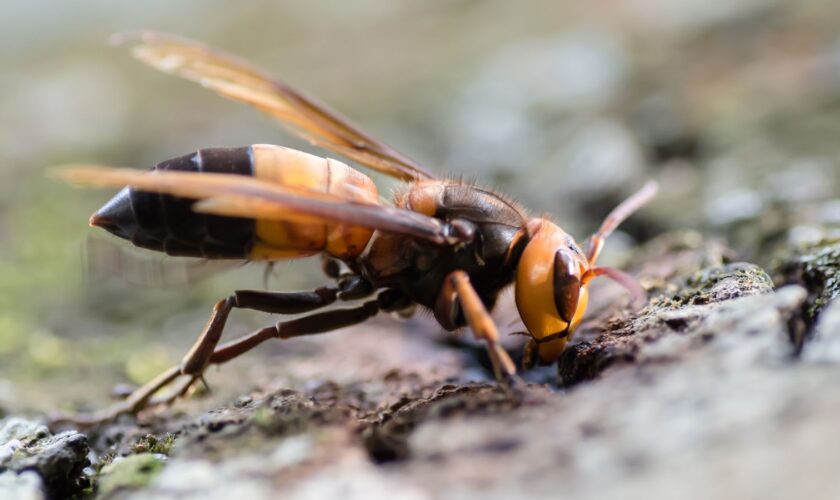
287	239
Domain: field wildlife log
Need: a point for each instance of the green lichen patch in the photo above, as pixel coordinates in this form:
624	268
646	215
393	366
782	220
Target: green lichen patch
154	444
817	268
717	284
131	472
688	300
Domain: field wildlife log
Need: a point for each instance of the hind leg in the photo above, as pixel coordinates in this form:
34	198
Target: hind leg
198	357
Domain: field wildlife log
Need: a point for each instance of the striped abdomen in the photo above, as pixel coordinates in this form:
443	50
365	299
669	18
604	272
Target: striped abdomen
167	223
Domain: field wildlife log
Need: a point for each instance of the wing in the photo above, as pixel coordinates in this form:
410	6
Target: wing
242	196
108	260
236	79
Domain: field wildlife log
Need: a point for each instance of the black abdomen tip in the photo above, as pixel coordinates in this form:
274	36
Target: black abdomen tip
168	224
116	216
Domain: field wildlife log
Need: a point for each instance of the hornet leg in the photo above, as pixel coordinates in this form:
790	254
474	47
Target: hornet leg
457	291
204	350
199	354
309	325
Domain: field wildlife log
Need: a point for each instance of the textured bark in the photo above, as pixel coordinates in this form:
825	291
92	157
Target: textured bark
704	382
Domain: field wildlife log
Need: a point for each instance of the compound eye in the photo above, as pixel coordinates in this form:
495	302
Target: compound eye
566	284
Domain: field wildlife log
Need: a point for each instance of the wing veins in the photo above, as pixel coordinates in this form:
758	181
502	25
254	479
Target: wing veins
304	115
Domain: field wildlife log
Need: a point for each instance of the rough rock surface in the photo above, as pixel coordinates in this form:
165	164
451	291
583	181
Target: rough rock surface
816	266
724	385
58	459
703	393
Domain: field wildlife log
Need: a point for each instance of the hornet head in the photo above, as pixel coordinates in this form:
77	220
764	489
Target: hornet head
552	277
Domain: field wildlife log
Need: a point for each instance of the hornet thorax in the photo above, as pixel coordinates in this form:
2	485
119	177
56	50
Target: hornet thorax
419	268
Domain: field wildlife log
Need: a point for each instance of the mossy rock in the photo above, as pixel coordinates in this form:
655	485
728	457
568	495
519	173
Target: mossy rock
131	472
817	268
727	282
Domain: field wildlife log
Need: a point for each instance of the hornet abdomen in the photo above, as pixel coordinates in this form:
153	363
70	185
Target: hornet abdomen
168	224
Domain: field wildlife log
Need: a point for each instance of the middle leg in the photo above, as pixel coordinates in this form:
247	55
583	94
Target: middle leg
198	356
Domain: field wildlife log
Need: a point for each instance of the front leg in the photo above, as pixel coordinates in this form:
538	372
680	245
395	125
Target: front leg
457	295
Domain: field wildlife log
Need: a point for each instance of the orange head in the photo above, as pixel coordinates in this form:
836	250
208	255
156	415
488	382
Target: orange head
553	273
551	294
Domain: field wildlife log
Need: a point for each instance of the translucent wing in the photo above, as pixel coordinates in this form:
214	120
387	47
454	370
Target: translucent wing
242	196
236	79
108	260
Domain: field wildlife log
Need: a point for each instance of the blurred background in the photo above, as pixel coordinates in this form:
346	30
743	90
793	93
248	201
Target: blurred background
733	106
